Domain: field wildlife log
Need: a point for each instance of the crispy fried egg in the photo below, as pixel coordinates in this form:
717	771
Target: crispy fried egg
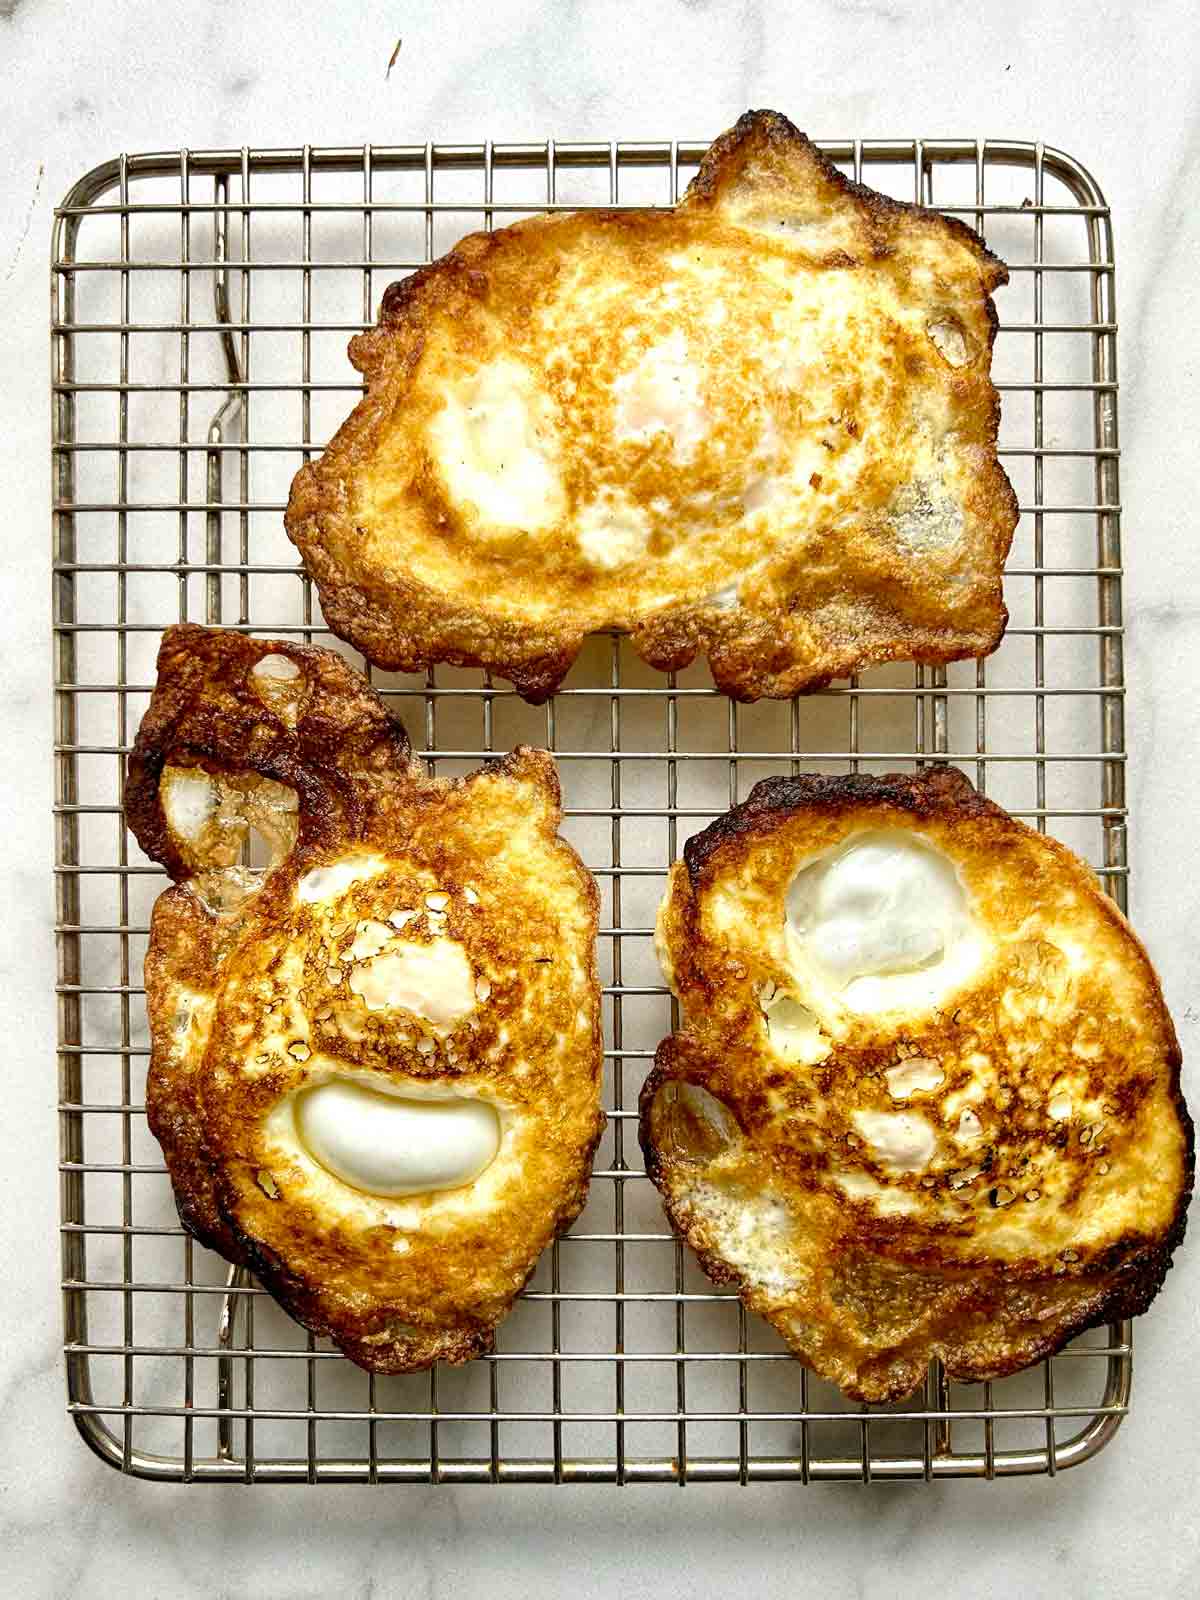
375	1067
924	1100
760	425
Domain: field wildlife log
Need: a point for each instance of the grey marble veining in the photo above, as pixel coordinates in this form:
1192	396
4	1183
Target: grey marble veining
1117	86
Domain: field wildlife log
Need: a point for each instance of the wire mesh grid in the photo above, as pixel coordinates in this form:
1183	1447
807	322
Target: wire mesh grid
201	304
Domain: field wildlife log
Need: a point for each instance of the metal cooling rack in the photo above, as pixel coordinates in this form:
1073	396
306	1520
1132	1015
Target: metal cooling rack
201	304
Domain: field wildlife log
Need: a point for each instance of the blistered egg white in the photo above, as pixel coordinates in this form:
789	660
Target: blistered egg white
326	883
433	980
793	1030
915	1075
901	1140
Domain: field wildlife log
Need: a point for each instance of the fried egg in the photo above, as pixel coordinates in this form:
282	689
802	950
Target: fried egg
924	1100
375	1066
760	426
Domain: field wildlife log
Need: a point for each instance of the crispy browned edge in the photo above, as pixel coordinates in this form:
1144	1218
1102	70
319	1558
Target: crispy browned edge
203	714
183	724
536	658
936	791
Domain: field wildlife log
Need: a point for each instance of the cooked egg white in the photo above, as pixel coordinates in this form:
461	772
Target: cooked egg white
882	923
392	1144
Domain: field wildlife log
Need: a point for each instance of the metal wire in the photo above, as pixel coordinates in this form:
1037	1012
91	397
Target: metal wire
219	286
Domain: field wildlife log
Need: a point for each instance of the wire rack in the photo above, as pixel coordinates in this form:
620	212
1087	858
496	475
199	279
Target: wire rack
201	305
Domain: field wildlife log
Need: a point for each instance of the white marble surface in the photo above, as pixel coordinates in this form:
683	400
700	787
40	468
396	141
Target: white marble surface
1117	85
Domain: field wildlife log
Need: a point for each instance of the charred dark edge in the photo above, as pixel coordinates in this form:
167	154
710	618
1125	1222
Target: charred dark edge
786	684
936	791
1139	1278
219	1238
323	790
537	677
171	1115
772	800
223	1234
353	616
406	305
154	749
454	1351
300	1299
940	790
196	1195
775	128
663	1071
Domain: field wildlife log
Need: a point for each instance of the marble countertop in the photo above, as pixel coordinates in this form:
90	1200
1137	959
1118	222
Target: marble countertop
1117	86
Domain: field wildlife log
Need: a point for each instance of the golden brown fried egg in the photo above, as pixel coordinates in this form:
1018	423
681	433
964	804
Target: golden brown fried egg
760	425
375	1068
925	1097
